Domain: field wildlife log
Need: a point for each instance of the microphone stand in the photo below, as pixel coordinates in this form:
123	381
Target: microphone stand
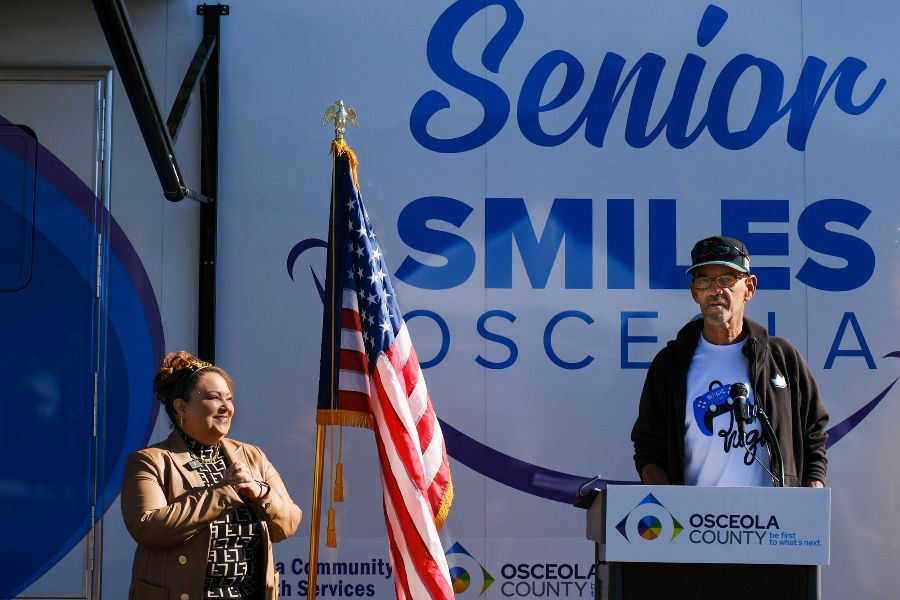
745	414
776	460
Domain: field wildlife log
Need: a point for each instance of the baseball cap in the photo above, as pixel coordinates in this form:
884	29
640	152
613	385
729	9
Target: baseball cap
718	250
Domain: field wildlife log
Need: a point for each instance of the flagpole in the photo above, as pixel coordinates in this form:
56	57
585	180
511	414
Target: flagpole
316	513
340	114
374	331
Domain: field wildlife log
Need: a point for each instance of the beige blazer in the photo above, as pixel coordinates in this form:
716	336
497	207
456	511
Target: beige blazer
168	509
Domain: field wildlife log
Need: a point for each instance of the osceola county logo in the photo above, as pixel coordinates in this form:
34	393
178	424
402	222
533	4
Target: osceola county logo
459	574
649	525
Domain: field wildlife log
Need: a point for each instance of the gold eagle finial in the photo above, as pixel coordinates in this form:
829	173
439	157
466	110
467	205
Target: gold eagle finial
340	113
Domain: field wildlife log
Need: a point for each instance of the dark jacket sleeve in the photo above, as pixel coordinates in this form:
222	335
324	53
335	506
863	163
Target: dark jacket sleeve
815	463
649	433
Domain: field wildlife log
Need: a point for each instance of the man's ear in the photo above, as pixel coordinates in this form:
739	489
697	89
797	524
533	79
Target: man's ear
750	282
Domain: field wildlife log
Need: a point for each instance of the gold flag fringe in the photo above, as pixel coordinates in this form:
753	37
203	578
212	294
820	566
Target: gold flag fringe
444	509
348	418
339	147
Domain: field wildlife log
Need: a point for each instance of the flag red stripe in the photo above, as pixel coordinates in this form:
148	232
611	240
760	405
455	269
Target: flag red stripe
399	568
406	447
434	492
413	582
426	565
410	375
411	371
353	360
426	425
354	401
350	319
393	357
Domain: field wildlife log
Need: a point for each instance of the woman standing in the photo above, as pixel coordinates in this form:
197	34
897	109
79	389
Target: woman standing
204	509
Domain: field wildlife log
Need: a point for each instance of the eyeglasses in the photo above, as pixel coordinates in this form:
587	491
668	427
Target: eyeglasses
723	281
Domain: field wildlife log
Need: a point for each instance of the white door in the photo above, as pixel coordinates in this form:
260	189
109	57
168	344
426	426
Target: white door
50	414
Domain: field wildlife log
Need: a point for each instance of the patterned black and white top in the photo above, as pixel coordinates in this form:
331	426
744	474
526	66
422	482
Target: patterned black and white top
233	568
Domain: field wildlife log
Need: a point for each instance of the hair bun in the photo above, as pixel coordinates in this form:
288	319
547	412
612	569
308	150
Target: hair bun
171	370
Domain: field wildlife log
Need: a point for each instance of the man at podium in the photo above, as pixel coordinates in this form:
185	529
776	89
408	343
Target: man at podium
711	393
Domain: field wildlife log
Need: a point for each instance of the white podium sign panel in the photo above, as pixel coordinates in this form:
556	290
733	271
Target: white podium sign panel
683	524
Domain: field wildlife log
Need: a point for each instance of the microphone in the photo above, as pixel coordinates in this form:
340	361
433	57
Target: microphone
739	392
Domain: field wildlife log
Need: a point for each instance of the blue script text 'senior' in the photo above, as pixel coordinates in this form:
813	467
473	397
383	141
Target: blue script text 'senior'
801	107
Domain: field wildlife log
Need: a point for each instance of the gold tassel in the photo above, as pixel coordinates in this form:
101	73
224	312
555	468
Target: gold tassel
331	534
339	483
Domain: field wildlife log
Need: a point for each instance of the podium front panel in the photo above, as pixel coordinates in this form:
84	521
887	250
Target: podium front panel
684	524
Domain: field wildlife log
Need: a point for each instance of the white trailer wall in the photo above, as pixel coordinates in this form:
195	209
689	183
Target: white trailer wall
561	399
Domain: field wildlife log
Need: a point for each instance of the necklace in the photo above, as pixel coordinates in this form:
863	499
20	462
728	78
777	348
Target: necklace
215	453
208	455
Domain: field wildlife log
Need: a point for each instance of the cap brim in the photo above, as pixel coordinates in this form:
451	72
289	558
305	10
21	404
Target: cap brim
731	265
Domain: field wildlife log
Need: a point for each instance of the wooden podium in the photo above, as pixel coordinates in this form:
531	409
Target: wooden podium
703	543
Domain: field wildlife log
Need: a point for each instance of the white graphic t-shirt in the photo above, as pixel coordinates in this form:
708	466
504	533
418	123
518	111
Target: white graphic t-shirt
712	455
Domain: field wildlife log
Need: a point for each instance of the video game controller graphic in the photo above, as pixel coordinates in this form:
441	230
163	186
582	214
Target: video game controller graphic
709	406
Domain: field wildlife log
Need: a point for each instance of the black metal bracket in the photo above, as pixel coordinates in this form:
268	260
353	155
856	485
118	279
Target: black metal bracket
189	85
209	177
159	136
223	9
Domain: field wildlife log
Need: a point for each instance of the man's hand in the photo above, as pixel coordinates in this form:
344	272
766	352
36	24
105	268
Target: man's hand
813	483
652	474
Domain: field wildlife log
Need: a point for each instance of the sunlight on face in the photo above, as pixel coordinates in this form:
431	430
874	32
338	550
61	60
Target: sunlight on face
208	410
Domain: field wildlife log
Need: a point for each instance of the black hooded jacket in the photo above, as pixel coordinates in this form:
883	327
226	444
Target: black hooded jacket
796	410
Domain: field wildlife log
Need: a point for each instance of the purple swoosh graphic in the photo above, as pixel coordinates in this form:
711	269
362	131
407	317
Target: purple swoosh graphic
295	253
515	473
536	480
836	433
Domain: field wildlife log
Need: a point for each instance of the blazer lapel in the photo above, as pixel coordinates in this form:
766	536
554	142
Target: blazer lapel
233	452
183	461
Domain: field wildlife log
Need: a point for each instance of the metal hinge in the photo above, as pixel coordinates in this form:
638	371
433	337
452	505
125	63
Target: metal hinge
99	265
91	563
101	146
96	400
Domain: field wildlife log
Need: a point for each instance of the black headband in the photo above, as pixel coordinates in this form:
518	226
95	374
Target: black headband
185	377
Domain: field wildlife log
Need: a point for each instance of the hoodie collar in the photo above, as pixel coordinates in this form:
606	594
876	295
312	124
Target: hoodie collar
689	336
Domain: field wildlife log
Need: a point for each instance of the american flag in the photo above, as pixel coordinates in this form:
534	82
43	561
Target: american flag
370	377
